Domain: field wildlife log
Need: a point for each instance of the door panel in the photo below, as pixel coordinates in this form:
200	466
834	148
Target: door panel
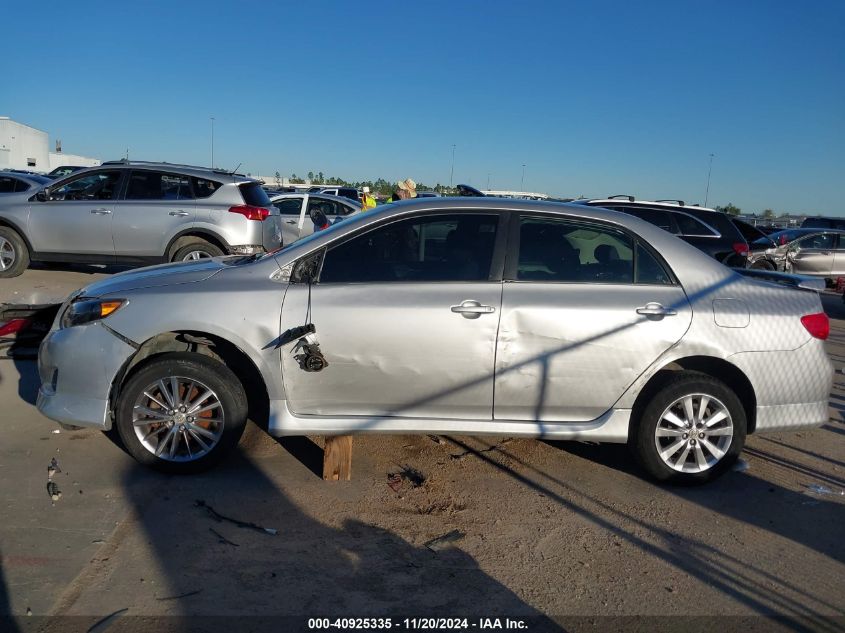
395	349
290	214
567	352
157	205
815	255
77	218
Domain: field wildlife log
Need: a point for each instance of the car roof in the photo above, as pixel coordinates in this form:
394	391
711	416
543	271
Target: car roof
209	173
37	179
674	204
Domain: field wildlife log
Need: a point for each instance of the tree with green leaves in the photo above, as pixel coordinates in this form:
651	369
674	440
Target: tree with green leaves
730	209
768	214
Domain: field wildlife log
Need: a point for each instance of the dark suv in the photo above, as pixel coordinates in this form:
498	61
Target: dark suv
823	223
708	230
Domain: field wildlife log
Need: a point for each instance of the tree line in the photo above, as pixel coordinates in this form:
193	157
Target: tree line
379	187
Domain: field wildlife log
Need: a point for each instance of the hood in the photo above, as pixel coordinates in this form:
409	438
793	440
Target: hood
155	276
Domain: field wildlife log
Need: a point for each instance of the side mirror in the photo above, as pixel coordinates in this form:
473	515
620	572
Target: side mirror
308	269
42	196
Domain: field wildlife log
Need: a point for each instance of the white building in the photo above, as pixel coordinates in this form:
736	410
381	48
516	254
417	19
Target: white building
25	147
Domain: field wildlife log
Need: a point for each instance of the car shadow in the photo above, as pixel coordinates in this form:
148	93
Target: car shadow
304	568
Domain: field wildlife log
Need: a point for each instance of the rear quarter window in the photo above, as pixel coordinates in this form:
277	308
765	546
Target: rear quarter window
203	187
254	194
719	221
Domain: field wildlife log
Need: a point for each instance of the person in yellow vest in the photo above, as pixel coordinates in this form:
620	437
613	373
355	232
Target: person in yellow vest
367	200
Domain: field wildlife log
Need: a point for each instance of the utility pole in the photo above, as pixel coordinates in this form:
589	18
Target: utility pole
452	172
709	170
488	181
212	142
522	181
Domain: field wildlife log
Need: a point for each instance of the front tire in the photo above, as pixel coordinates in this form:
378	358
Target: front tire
14	255
181	413
691	431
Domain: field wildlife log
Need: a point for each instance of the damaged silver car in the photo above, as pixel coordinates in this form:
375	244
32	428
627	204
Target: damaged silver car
446	315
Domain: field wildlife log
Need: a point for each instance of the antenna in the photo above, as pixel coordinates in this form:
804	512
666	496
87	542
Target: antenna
234	171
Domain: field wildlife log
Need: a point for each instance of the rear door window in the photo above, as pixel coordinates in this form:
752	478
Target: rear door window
156	185
7	185
657	217
693	227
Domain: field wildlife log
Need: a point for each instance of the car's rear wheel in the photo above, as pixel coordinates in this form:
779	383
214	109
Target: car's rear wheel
691	431
763	264
14	255
197	249
181	413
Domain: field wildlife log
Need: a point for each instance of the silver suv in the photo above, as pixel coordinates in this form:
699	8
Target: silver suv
137	213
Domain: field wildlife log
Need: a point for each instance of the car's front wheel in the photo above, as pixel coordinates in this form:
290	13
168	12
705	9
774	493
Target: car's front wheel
181	413
691	431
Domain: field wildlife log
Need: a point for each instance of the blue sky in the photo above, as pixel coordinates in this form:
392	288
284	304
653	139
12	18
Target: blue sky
595	98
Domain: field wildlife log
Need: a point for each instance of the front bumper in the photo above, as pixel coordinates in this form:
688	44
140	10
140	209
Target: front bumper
77	366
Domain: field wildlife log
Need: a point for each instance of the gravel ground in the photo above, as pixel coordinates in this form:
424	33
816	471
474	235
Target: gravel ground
543	528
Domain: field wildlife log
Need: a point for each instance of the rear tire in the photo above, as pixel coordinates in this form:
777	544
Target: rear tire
763	264
187	429
14	255
197	248
679	448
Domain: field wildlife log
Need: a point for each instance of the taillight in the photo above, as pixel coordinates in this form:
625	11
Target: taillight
740	248
13	327
251	213
818	325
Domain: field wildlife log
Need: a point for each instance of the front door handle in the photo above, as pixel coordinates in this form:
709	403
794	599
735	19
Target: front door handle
471	309
654	309
101	211
290	221
180	213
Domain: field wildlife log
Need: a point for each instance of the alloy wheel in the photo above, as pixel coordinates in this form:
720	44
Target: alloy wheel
178	419
694	433
7	254
194	255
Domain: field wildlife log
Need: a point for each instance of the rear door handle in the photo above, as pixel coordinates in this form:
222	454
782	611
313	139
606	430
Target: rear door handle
101	211
180	213
655	309
290	221
471	309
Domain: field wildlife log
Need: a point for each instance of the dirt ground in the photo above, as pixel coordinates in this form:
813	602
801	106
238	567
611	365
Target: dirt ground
544	529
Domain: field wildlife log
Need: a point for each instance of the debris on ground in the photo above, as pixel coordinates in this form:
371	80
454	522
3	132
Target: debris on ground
222	539
822	490
100	625
241	524
53	491
445	541
52	487
407	473
740	466
181	595
53	468
436	439
56	431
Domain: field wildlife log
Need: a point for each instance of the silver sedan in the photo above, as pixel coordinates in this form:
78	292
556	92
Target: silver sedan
446	315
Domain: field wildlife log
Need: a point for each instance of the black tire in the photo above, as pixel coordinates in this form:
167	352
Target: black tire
197	245
213	375
642	440
763	264
15	248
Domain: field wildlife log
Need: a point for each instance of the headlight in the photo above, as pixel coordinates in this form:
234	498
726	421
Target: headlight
83	310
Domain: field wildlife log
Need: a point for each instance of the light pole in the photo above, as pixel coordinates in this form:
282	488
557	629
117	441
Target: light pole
488	181
452	172
709	170
212	142
522	182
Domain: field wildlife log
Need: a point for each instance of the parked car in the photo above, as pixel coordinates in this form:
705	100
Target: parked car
819	222
707	229
16	182
820	254
296	210
769	252
64	170
750	232
137	212
343	192
446	315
